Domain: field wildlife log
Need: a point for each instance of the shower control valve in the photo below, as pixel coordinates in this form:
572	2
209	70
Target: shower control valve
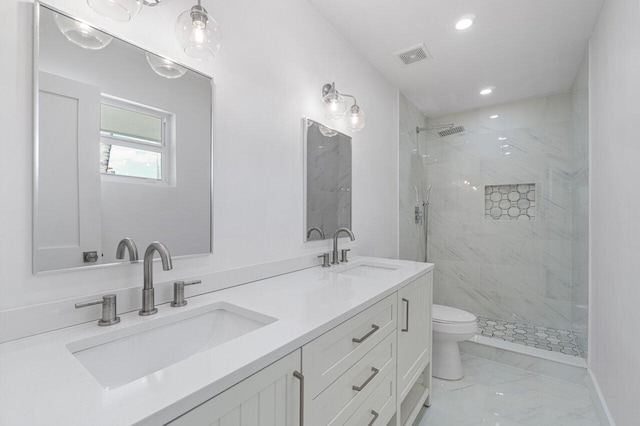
418	217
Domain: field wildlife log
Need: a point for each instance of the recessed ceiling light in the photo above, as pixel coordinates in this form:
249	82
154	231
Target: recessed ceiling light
505	146
465	22
486	91
494	116
502	138
507	153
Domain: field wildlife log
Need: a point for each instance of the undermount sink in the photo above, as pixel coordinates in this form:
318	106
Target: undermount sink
369	270
123	356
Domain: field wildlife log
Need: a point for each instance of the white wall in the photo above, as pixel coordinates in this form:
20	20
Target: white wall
614	317
275	58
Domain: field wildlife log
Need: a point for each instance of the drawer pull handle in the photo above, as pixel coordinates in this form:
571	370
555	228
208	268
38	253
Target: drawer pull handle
407	315
366	382
375	417
300	377
374	328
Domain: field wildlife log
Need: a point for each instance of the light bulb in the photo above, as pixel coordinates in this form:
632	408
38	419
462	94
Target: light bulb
334	105
357	118
198	33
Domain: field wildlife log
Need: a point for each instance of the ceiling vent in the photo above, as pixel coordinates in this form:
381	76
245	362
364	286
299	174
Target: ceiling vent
415	55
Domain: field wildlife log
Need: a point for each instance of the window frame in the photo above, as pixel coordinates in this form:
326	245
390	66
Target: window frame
166	146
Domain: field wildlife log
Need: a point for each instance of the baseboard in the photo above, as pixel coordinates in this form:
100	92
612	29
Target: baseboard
598	401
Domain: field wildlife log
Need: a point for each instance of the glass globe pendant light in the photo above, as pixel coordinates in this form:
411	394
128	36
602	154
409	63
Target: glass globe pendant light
81	34
164	67
117	10
357	118
334	104
198	33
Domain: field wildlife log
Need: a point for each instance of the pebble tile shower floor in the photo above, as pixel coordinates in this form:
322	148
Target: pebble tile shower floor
550	339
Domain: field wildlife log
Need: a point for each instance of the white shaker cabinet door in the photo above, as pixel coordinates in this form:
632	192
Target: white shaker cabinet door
271	397
414	331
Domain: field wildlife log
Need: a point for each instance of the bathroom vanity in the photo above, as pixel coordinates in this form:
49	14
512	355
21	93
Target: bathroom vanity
343	345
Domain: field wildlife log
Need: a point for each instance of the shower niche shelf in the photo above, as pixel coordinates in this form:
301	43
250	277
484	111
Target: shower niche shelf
510	202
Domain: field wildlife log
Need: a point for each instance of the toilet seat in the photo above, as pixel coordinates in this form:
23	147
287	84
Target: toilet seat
448	315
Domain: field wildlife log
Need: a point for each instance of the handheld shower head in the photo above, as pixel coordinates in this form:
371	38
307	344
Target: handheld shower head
428	194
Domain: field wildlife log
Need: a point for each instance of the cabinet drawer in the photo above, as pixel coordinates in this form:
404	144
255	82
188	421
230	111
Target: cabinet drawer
337	403
379	408
330	355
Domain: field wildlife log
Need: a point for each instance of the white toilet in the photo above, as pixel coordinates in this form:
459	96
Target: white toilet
450	326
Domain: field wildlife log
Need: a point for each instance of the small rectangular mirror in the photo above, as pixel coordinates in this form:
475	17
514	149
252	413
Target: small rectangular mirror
327	154
123	148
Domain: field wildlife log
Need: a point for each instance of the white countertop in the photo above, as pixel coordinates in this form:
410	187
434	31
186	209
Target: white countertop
41	382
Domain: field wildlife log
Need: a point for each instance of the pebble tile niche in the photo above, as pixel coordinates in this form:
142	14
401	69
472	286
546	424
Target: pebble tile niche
510	202
550	339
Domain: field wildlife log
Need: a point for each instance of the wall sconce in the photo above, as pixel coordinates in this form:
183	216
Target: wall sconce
335	106
196	31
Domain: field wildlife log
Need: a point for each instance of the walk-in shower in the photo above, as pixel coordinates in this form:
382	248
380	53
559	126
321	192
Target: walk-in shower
500	205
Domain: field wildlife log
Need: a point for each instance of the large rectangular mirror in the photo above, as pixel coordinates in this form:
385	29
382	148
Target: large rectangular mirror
328	181
123	148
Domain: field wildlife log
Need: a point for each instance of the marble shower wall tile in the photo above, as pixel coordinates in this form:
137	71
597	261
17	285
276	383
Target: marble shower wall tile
507	269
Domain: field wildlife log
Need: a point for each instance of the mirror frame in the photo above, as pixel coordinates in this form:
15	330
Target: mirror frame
37	5
305	125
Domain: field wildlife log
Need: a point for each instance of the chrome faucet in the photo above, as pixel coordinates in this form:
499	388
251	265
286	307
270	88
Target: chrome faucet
318	230
130	245
335	260
148	303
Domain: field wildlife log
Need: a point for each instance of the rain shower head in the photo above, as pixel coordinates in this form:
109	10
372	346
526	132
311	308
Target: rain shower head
450	129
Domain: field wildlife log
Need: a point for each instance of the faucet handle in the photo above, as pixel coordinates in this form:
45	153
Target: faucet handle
108	302
178	292
325	260
344	252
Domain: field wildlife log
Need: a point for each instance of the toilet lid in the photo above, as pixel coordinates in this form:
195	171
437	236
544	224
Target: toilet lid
447	314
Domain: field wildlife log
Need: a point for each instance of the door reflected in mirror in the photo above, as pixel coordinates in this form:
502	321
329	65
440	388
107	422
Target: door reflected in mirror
123	148
328	181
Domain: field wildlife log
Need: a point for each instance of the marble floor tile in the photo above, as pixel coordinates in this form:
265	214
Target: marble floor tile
496	394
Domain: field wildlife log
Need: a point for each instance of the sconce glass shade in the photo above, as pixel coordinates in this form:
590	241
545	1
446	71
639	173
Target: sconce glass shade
154	2
334	105
117	10
357	118
81	34
198	33
327	132
164	67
